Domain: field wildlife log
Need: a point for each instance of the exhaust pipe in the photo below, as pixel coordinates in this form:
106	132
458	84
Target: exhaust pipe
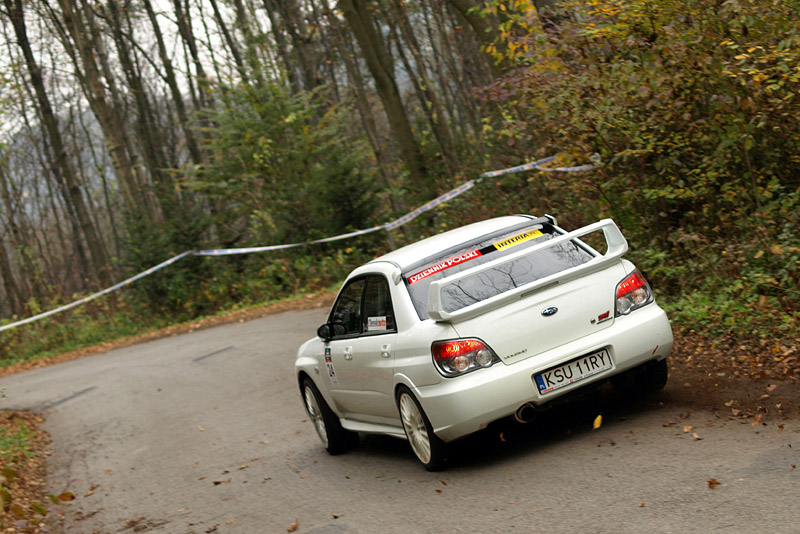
525	413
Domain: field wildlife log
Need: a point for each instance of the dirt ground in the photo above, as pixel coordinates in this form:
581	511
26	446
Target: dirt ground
755	383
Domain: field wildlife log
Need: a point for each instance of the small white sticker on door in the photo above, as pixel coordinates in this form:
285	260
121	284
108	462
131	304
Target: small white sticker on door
376	323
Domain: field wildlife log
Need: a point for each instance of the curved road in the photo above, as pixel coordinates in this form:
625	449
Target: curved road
205	432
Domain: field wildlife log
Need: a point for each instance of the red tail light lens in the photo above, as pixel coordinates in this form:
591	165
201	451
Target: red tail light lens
632	293
459	356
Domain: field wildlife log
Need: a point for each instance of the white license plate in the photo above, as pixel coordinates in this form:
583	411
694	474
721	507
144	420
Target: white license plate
569	373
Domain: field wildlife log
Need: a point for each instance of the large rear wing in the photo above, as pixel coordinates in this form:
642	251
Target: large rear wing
617	246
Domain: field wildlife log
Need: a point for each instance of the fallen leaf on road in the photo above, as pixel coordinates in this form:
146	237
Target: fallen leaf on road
293	527
713	483
687	428
218	482
598	422
756	420
133	522
212	528
729	403
771	388
109	471
337	516
201	429
696	436
245	466
91	490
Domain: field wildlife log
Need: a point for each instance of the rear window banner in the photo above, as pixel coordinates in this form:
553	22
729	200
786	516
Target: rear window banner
517	239
442	265
376	323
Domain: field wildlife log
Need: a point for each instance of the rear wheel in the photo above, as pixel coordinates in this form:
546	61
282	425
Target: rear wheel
429	449
335	439
650	377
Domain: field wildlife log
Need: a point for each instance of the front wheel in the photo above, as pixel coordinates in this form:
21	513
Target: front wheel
429	449
335	439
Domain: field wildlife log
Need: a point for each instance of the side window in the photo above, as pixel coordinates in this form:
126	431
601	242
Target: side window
378	313
347	311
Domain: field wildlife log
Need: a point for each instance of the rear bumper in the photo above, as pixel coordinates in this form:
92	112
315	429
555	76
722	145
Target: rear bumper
460	406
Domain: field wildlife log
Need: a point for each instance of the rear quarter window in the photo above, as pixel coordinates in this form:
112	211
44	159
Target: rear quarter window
495	281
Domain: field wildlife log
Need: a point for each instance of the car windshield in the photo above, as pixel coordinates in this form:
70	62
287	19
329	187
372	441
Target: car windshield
495	281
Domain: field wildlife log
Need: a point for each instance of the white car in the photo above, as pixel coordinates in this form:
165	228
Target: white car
436	340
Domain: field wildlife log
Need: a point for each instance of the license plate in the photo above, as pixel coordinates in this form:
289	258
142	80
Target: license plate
569	373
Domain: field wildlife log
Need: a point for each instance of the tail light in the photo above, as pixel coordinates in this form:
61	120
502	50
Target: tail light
632	293
459	356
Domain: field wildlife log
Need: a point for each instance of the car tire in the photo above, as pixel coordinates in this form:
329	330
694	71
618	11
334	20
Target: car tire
428	448
650	377
333	436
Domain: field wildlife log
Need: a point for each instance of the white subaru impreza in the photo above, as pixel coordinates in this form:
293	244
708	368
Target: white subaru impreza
436	340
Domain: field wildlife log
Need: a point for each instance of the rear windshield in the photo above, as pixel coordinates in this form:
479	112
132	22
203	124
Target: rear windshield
495	281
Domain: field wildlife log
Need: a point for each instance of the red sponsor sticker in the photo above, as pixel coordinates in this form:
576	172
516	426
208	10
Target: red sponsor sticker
442	265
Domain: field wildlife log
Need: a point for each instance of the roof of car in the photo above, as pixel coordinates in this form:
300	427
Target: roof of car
415	252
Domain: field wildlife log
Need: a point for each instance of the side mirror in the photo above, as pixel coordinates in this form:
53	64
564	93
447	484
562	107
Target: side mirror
329	330
324	332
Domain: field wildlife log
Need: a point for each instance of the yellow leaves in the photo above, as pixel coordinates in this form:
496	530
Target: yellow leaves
598	422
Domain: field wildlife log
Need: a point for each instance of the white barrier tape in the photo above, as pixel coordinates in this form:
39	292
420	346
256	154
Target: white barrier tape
466	186
579	168
105	291
526	167
248	250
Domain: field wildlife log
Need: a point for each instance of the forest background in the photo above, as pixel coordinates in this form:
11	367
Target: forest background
134	130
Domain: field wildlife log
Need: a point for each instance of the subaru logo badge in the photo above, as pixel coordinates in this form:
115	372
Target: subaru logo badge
547	312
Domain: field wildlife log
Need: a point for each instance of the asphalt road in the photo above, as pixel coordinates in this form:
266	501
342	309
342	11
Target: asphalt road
205	432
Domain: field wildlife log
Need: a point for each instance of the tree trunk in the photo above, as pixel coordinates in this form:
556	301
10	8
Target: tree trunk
232	46
435	111
172	82
360	21
361	98
485	28
15	10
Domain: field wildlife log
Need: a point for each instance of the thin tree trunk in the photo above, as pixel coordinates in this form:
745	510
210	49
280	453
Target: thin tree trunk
232	46
15	10
172	82
372	48
435	112
15	298
280	41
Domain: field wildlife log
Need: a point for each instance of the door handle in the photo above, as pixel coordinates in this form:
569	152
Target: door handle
348	353
385	348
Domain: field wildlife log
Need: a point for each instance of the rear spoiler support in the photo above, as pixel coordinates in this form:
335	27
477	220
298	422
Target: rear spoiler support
617	246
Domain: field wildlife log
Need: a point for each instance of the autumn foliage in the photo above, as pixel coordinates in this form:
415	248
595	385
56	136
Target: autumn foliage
692	107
